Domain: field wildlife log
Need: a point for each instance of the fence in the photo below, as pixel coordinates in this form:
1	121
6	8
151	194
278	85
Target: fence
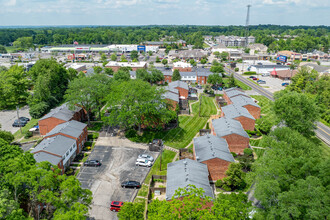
203	132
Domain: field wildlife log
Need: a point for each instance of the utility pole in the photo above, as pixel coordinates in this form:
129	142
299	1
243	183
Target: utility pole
247	25
19	121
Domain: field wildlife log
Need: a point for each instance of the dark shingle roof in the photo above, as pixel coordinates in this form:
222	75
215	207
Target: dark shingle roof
179	84
42	156
234	92
209	146
243	101
226	126
235	111
72	128
184	172
171	96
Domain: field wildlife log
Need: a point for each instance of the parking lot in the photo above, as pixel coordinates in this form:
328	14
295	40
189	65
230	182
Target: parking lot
8	117
118	156
272	84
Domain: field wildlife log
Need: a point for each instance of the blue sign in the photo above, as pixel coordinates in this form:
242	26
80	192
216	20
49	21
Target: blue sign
282	58
141	48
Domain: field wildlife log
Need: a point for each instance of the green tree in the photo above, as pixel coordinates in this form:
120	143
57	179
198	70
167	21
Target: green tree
235	178
6	136
114	57
103	57
122	74
2	49
217	69
193	62
132	211
176	75
134	55
231	81
135	103
224	56
214	79
23	42
97	69
164	62
72	73
108	71
167	50
297	110
203	61
157	59
123	58
216	54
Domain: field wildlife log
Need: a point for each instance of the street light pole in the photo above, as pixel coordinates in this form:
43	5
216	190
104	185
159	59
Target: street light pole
19	121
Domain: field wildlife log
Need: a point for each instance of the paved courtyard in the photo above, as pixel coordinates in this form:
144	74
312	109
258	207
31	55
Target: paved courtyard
118	156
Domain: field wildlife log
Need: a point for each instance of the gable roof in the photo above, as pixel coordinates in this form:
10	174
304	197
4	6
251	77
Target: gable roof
58	145
243	101
179	84
62	112
209	146
184	172
234	92
72	128
235	111
225	126
43	156
171	96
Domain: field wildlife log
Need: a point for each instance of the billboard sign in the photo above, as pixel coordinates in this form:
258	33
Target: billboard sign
82	48
141	48
282	58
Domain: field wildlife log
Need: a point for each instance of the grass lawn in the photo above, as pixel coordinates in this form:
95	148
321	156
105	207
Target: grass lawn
18	135
188	127
205	45
265	104
239	83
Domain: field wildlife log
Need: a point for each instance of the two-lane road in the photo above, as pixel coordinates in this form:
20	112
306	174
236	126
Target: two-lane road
322	131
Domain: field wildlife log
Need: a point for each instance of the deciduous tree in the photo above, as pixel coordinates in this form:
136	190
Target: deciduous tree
176	75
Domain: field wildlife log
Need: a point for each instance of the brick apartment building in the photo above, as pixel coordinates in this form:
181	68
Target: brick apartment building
240	114
248	103
214	152
71	129
233	132
232	92
58	116
134	65
173	99
182	88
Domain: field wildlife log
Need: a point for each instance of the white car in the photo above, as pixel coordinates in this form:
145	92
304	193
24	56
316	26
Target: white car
146	156
143	162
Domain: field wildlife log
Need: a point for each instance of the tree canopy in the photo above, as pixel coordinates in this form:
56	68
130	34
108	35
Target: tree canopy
214	79
176	75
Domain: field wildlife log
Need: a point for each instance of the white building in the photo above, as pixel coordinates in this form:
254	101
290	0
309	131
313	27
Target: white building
265	69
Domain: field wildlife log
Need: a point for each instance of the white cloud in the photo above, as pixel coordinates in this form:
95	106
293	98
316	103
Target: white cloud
10	3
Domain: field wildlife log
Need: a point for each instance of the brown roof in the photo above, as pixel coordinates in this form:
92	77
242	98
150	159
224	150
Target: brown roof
286	73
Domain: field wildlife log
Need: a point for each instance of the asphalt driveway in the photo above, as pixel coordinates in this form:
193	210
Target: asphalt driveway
118	158
7	118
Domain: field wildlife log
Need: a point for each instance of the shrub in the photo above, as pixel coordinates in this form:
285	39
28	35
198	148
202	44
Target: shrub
131	133
251	132
248	151
219	183
234	154
159	180
38	110
207	126
236	69
95	135
28	134
250	73
7	136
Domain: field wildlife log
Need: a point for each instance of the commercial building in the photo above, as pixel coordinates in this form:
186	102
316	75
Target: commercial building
233	132
195	54
234	41
186	172
134	65
214	152
260	69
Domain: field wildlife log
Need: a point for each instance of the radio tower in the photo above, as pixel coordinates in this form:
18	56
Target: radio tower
247	25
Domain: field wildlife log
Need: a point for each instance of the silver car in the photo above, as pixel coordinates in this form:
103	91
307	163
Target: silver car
146	156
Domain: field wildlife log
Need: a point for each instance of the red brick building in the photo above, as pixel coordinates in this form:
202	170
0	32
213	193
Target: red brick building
240	114
247	103
71	129
233	132
214	152
181	87
232	92
172	99
58	116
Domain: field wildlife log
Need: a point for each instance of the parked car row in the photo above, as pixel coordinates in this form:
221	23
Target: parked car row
144	160
21	122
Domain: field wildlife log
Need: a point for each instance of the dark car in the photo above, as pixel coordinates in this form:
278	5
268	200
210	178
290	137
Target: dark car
255	78
285	84
19	123
92	163
131	184
251	77
115	206
261	82
24	119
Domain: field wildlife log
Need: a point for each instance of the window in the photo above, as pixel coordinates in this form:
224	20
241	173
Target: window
67	153
71	149
63	157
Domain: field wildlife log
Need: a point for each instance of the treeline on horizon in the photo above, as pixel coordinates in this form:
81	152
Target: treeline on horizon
308	37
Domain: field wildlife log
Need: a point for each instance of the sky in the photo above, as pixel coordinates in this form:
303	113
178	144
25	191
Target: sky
163	12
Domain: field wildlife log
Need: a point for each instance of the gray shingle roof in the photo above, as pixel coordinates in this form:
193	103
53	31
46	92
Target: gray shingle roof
235	111
226	126
271	66
171	96
179	84
42	156
72	128
234	92
209	146
243	101
171	89
58	145
62	112
184	172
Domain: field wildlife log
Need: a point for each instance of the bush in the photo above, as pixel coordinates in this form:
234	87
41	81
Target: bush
248	151
7	136
236	69
234	154
95	135
28	134
250	73
207	126
251	132
38	110
131	133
